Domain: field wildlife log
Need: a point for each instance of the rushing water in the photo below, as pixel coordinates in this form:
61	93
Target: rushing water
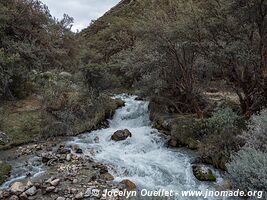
143	158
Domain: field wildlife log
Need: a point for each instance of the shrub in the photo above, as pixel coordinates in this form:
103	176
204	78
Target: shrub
256	136
248	170
220	137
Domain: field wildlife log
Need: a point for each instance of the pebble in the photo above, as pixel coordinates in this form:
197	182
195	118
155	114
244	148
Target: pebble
55	182
80	195
50	189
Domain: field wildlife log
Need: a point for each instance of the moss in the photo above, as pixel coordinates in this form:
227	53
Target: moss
5	170
203	175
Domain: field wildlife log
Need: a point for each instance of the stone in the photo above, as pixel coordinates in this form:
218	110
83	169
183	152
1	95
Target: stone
107	176
46	157
128	185
65	74
63	150
96	139
77	149
50	189
55	182
60	198
31	191
88	192
80	195
14	197
23	196
121	135
29	184
68	157
203	173
17	188
75	181
4	139
172	143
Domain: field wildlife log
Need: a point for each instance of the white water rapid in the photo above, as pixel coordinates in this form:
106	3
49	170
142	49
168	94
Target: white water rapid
144	156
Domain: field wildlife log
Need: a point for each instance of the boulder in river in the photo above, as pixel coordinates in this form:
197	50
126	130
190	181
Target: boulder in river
203	173
77	149
121	135
128	185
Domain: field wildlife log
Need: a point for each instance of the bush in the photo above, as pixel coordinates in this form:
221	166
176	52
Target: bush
220	137
256	136
248	170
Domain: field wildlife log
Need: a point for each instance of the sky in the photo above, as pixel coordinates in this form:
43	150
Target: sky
83	11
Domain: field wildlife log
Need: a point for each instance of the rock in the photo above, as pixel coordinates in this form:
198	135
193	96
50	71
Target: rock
55	182
29	184
75	181
4	194
107	176
96	140
14	197
4	139
50	189
119	103
65	74
17	188
172	143
88	192
63	150
80	195
121	135
31	191
46	157
60	198
68	157
203	173
129	185
23	196
77	149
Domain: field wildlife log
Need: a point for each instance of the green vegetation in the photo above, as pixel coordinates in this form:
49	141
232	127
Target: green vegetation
4	171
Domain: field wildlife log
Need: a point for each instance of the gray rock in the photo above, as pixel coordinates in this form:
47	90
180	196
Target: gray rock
61	198
80	195
31	191
88	192
65	74
55	182
50	189
68	157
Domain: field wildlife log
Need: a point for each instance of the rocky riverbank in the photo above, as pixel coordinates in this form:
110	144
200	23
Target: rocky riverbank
68	174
